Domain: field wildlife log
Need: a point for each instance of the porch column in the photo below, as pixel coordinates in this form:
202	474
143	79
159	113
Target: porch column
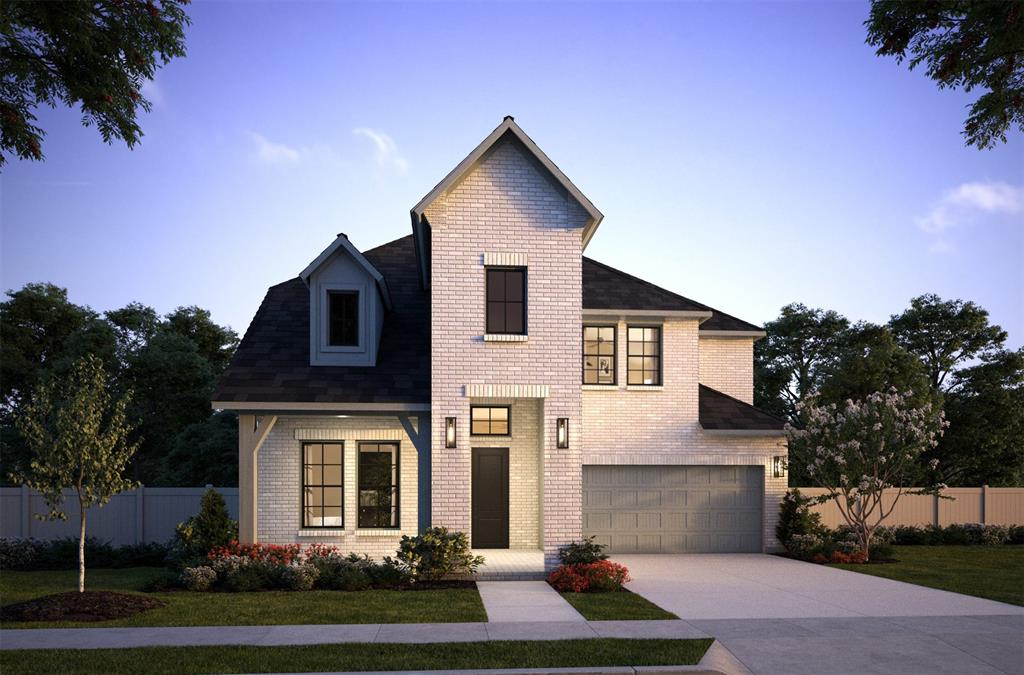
252	431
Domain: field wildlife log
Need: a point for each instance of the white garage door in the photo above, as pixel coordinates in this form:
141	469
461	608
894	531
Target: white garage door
674	509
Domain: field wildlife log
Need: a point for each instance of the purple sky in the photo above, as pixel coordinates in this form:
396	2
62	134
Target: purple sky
744	155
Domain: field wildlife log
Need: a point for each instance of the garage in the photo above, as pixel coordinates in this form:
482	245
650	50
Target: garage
674	509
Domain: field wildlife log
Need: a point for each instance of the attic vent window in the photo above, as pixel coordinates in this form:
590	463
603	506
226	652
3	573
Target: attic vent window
343	318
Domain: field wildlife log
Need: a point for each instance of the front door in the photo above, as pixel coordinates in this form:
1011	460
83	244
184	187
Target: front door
490	497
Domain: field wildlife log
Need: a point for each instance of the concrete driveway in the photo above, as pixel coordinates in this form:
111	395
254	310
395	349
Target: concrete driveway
783	616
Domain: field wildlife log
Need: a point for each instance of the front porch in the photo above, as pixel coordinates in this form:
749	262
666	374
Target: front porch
510	564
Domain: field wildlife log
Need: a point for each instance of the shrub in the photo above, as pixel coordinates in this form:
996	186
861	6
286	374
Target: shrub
335	573
388	573
62	554
299	577
19	554
246	578
995	535
279	554
437	553
1016	535
804	546
883	552
796	519
208	529
605	576
582	552
165	580
567	579
198	578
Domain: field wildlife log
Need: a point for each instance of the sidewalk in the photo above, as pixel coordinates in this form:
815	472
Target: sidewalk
524	601
266	636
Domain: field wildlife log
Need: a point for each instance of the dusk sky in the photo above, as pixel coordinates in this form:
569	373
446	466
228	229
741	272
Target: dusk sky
744	155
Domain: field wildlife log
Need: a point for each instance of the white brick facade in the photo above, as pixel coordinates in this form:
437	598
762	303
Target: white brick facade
727	364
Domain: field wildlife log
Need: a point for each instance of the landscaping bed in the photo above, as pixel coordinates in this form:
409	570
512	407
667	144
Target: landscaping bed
360	657
75	606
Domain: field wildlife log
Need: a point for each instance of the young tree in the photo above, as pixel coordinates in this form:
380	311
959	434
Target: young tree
859	449
963	44
94	54
945	333
79	439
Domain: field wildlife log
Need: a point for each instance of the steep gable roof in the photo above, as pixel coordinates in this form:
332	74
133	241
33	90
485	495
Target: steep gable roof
342	242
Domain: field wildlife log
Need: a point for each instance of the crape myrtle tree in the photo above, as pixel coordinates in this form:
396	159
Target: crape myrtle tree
94	55
859	449
79	438
962	44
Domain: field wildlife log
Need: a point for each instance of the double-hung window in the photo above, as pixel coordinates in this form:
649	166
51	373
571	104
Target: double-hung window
378	485
506	300
322	486
643	355
599	355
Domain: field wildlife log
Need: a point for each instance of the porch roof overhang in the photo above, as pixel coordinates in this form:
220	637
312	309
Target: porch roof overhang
317	407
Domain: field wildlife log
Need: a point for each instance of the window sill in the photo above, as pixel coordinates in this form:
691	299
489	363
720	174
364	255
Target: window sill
505	337
645	387
321	533
378	532
600	387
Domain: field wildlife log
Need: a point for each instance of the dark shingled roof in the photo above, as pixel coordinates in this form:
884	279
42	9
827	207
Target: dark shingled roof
272	361
720	412
605	287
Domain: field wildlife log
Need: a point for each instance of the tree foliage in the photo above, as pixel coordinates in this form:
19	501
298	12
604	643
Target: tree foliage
95	55
963	44
79	437
858	449
170	363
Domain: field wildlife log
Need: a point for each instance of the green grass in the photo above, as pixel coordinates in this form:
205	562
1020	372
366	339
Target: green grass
361	656
993	572
615	606
247	609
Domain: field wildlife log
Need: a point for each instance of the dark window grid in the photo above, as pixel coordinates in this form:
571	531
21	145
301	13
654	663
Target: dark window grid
343	318
506	300
381	479
314	466
600	348
643	355
489	424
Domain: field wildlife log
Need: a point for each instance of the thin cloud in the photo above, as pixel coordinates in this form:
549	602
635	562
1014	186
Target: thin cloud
964	203
269	152
154	93
386	153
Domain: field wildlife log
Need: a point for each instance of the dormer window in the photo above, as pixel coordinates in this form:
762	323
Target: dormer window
343	318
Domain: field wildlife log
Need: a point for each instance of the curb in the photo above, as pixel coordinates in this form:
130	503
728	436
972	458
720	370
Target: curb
717	660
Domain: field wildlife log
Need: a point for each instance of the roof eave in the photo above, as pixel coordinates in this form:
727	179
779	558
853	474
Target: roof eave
743	432
709	333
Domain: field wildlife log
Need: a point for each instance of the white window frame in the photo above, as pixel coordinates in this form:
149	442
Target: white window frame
324	331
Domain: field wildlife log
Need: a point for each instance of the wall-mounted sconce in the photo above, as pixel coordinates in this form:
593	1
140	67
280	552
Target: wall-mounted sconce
779	466
562	432
449	432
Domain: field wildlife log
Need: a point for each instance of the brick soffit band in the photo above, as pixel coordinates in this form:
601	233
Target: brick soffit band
506	390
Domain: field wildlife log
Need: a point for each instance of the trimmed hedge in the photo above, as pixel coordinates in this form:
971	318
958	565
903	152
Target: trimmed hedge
62	554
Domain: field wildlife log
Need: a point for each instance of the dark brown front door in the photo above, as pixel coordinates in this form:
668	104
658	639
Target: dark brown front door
490	497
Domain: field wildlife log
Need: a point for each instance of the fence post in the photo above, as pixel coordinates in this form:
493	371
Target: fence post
26	512
984	504
935	511
140	516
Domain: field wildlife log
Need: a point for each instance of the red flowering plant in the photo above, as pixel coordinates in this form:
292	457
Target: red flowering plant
605	575
567	579
270	553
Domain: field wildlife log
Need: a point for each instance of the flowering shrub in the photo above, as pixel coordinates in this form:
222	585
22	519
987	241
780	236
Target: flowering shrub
567	579
273	553
600	576
198	578
299	577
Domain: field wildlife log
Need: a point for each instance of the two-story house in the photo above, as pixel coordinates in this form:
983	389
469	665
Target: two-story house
483	375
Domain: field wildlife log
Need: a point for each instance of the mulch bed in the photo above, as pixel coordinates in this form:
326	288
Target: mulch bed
88	606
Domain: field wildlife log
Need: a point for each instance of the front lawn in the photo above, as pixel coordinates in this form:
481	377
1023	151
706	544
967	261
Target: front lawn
993	572
621	605
359	656
244	609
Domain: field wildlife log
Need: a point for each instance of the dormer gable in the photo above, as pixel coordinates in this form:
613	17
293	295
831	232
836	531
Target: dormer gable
348	298
507	131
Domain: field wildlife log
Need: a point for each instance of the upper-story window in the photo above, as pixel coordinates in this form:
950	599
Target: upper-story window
506	300
343	318
643	355
599	355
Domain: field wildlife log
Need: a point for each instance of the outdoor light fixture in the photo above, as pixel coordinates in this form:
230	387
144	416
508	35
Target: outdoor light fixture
779	466
562	432
449	432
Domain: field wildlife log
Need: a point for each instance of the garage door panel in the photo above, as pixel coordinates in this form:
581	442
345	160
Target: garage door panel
669	509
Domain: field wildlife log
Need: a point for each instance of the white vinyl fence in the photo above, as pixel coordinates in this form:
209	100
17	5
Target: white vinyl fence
142	515
991	506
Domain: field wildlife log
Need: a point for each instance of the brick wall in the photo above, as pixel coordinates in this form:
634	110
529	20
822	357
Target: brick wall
727	364
507	204
279	493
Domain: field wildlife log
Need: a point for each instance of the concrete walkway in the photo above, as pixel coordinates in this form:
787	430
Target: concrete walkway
524	601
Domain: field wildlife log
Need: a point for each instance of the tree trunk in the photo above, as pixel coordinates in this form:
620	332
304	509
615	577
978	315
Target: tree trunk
81	548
